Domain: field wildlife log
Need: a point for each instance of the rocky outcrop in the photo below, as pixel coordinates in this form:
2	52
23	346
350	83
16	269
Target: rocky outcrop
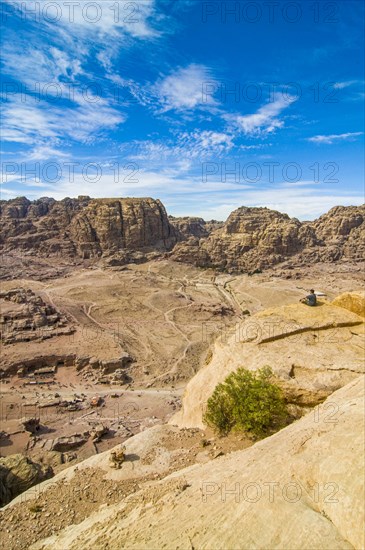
312	351
353	301
17	474
258	238
300	488
187	227
135	230
111	226
85	227
26	317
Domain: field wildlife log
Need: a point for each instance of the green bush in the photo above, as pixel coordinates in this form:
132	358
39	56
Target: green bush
246	401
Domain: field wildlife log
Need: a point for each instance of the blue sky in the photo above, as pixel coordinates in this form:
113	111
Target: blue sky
207	105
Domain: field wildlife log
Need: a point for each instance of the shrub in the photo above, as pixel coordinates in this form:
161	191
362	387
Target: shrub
246	401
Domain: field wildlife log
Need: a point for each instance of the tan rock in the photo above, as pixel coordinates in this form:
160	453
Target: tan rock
312	351
302	488
17	474
353	301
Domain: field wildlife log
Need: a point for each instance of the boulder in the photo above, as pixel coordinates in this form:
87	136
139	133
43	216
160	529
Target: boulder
353	301
67	443
17	474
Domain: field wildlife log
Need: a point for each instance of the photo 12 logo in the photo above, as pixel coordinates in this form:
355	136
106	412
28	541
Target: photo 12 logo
241	12
54	172
272	491
268	172
119	12
255	92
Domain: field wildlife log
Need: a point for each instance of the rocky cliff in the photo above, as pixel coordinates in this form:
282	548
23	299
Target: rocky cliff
312	352
85	227
258	238
124	230
188	226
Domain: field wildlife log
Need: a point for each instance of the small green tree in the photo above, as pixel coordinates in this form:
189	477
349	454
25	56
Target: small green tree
246	401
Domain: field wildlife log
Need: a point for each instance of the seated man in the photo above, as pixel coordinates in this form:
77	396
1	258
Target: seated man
310	300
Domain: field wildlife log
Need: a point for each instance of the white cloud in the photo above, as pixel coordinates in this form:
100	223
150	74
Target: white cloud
342	85
331	138
31	124
45	152
266	120
106	17
187	147
184	89
185	195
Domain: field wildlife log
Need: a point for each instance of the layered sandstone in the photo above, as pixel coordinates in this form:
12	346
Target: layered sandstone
312	352
85	227
258	238
133	230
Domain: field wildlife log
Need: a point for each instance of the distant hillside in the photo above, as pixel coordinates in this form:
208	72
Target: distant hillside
123	230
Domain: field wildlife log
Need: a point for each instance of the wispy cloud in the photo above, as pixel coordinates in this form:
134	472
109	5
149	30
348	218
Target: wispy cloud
183	89
50	60
32	124
186	146
106	17
342	85
332	138
266	120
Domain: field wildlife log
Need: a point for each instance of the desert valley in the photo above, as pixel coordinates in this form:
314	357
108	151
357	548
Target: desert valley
117	324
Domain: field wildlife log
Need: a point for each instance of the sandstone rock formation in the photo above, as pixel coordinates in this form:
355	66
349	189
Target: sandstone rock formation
258	238
312	352
17	474
193	227
300	488
342	231
85	227
133	230
353	301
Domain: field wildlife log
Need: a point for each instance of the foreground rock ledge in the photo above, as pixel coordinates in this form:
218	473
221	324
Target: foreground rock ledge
302	488
312	352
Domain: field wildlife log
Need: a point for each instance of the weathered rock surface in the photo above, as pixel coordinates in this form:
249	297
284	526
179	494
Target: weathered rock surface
85	227
17	474
353	301
133	230
193	227
258	238
300	488
66	443
312	351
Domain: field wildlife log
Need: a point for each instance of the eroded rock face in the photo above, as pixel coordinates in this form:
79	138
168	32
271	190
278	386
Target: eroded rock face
258	238
312	352
85	227
342	231
135	230
188	226
110	226
17	474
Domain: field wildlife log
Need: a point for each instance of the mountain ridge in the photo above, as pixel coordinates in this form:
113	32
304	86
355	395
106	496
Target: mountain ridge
124	230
